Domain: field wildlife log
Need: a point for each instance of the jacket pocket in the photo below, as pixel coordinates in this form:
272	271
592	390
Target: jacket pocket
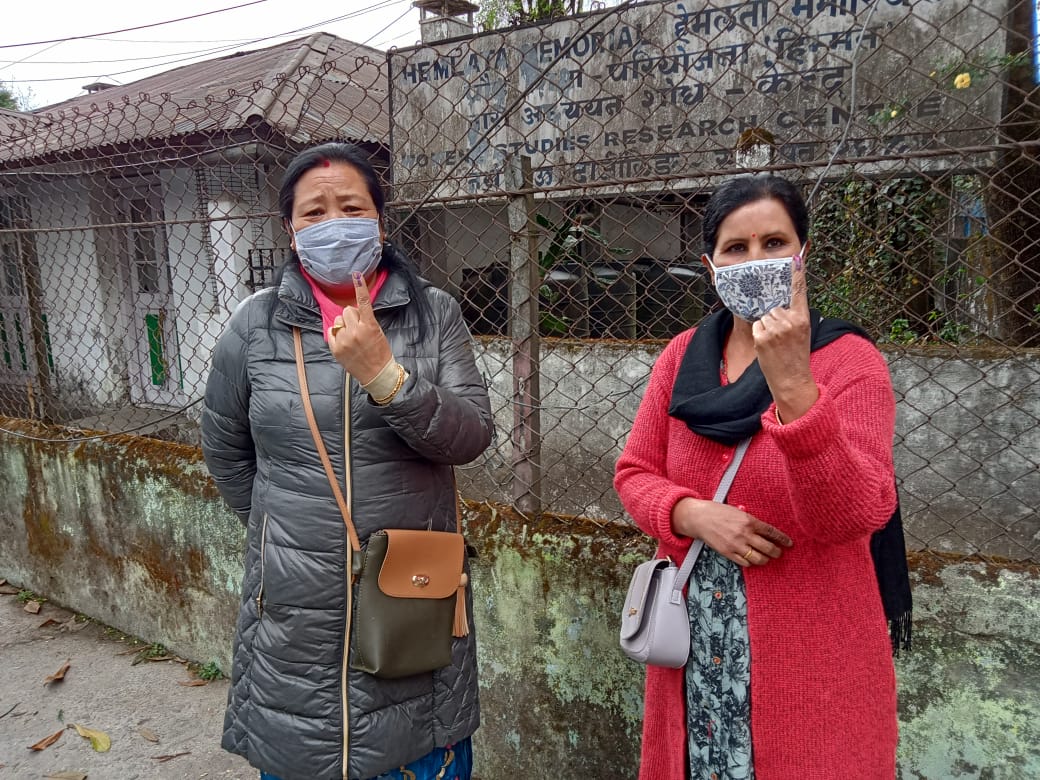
263	561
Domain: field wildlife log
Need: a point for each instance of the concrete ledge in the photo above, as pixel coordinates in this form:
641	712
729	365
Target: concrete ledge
128	530
131	531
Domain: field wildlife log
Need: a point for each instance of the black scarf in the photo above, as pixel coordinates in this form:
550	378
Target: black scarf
730	413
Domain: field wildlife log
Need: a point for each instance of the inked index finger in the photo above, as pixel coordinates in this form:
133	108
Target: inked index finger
362	295
799	289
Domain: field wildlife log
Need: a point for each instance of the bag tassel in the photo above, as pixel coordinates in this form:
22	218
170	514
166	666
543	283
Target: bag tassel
461	625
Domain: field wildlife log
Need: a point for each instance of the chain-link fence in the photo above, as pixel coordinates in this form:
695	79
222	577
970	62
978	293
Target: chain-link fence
552	177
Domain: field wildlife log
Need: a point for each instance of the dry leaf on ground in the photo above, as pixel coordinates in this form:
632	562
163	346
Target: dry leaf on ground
46	742
148	734
99	740
65	776
192	683
50	622
33	607
59	675
164	759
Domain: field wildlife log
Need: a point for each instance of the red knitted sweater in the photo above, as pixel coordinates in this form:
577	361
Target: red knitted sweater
823	696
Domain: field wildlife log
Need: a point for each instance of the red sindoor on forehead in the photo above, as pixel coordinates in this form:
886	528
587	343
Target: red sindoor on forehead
326	163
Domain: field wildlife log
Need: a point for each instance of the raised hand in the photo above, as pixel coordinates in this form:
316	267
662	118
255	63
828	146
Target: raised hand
782	345
356	339
729	531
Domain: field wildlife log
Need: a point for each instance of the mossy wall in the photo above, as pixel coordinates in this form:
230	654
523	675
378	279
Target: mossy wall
130	531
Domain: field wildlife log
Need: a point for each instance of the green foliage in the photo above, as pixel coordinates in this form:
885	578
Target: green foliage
154	650
209	672
495	14
978	66
891	112
492	15
900	332
7	99
568	239
571	242
874	245
879	254
25	596
954	74
16	99
949	331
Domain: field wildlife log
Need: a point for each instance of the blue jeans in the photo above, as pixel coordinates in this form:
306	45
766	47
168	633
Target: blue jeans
456	761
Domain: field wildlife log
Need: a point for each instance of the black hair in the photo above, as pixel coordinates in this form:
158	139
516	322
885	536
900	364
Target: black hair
393	258
740	191
321	155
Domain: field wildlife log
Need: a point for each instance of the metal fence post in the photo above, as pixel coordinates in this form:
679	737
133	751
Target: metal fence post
524	283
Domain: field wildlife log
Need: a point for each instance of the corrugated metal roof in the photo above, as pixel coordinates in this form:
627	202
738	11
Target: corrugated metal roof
13	125
310	89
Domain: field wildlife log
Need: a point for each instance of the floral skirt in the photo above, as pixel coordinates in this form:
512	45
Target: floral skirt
718	674
454	762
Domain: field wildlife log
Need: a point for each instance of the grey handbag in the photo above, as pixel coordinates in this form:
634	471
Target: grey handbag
655	624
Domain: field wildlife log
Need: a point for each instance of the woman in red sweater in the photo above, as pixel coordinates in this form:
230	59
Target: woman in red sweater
790	674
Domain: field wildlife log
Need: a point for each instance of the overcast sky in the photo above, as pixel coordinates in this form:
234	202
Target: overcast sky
58	71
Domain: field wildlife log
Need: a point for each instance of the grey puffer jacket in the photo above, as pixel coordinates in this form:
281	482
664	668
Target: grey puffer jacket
291	682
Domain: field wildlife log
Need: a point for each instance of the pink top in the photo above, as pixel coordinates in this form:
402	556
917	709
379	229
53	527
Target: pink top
329	308
823	693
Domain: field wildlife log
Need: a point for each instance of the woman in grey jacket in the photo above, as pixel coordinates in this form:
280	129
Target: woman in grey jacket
399	401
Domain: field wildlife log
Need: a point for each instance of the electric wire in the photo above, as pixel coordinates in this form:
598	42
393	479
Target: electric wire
219	50
129	29
384	29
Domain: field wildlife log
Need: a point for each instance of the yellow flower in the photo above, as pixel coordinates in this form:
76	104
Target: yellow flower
895	113
963	81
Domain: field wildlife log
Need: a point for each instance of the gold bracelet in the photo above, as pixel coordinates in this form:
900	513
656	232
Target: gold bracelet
777	413
401	376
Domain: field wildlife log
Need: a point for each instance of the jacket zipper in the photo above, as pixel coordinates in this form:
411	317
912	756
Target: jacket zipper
344	682
263	555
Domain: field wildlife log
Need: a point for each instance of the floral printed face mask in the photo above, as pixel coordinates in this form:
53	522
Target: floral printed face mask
752	289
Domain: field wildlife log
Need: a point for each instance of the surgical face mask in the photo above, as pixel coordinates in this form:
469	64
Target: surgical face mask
752	289
333	250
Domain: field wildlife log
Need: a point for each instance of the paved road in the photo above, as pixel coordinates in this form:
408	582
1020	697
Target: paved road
104	690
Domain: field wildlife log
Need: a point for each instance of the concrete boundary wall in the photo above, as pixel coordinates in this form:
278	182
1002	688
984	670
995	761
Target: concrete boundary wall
131	531
967	443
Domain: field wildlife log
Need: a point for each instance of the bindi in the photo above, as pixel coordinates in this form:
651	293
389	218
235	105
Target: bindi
754	235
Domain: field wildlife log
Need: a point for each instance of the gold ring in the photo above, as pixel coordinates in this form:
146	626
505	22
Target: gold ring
336	329
747	555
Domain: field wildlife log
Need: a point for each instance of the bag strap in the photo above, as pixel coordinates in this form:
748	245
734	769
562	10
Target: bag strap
323	453
305	394
698	544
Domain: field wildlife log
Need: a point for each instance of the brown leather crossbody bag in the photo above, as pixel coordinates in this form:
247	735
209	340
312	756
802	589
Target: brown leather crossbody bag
409	587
